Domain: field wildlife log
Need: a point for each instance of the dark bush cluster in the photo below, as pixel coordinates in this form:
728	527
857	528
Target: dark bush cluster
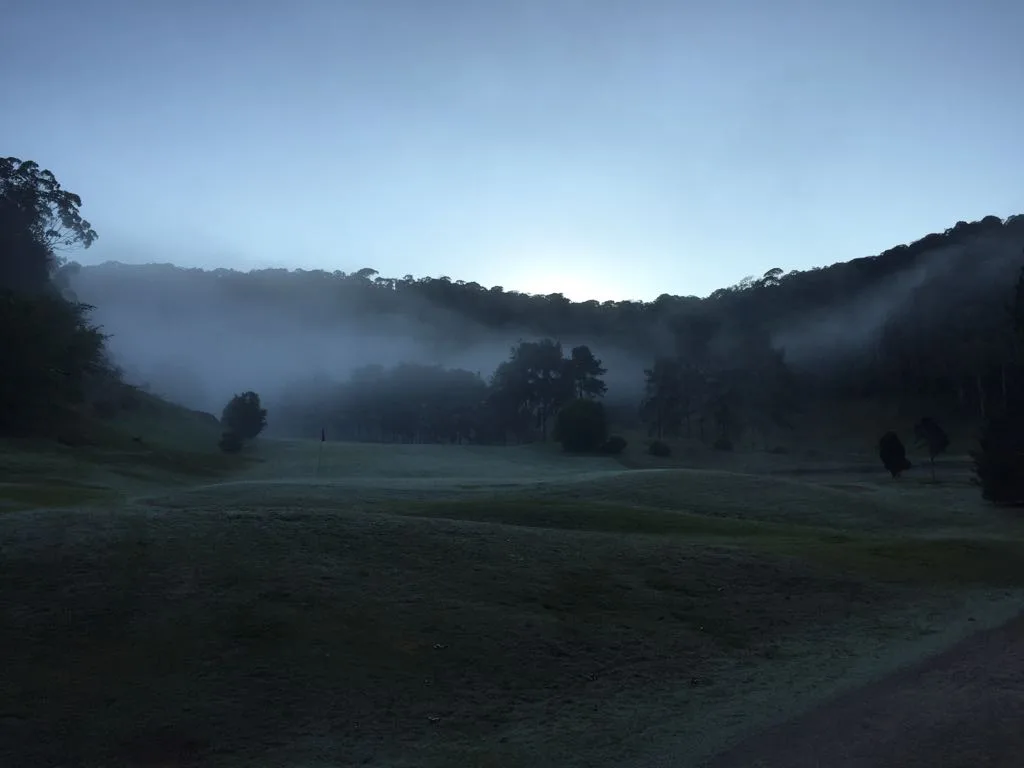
893	454
582	426
660	449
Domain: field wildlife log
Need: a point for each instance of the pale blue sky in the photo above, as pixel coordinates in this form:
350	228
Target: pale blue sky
602	148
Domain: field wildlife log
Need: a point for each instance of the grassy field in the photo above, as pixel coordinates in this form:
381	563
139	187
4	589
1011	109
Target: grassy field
447	605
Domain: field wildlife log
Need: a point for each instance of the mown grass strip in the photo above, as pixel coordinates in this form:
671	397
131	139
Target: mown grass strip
21	496
590	516
950	561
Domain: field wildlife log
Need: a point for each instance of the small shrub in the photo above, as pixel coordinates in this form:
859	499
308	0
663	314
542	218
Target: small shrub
614	445
722	444
660	449
582	426
230	442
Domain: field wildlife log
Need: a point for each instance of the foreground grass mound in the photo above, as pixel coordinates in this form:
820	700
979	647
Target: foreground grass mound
355	637
341	604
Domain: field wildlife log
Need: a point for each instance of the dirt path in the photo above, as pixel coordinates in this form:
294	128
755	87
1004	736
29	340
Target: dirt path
964	707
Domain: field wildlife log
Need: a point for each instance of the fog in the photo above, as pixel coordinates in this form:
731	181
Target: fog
942	279
197	345
199	337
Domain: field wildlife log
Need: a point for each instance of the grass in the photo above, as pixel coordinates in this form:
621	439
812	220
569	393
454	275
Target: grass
151	444
447	605
15	496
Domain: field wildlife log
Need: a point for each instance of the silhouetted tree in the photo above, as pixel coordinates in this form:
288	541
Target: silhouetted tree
537	380
586	371
893	454
933	437
724	407
36	216
50	349
999	457
664	406
244	416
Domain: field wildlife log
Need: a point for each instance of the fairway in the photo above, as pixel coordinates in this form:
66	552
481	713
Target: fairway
445	605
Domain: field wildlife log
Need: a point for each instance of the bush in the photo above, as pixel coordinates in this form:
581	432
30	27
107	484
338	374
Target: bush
659	449
893	454
722	444
614	445
582	426
230	442
999	458
243	416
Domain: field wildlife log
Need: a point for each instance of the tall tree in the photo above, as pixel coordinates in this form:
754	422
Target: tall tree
586	371
50	349
244	416
37	216
545	373
999	456
662	407
928	433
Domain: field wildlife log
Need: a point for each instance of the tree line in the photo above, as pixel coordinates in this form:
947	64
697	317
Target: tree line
921	320
422	403
719	364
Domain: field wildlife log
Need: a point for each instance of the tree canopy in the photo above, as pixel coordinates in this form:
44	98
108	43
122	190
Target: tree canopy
51	350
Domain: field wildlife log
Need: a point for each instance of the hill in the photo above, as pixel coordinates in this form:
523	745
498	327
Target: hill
106	451
980	252
918	328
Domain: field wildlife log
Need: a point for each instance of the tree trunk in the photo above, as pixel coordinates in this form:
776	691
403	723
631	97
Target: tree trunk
1002	381
980	385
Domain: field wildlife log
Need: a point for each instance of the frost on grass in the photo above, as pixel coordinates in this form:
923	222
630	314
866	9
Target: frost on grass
444	605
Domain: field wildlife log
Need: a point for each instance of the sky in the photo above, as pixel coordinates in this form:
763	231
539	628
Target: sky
606	149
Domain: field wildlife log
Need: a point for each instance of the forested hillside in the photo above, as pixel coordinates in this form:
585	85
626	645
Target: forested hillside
934	326
924	319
